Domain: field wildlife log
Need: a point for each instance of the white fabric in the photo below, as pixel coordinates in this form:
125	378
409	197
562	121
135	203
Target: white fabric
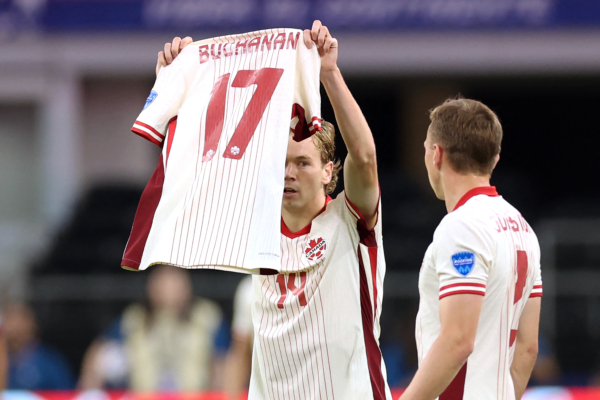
494	232
241	324
217	211
308	322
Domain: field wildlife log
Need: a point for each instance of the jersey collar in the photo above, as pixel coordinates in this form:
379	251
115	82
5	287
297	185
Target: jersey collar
293	235
485	190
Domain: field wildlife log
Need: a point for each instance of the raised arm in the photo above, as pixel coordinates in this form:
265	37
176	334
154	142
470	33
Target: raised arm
526	345
360	166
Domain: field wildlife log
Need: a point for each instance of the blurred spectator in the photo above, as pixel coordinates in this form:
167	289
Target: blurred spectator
173	342
239	357
398	347
32	366
546	371
3	359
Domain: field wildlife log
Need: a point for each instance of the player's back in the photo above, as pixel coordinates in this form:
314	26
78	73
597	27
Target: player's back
501	260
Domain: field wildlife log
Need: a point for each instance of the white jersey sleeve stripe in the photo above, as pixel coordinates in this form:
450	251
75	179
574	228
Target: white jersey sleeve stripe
146	134
462	288
537	291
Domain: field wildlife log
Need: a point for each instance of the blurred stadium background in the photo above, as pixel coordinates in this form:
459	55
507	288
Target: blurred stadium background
74	75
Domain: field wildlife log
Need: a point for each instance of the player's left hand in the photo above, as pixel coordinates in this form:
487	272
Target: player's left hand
326	45
171	51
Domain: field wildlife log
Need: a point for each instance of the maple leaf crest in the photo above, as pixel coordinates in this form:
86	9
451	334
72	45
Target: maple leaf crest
315	249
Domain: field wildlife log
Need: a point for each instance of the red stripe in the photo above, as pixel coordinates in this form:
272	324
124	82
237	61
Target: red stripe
461	292
535	295
171	130
537	287
462	284
373	259
144	217
373	351
146	136
486	190
151	128
353	207
456	388
513	337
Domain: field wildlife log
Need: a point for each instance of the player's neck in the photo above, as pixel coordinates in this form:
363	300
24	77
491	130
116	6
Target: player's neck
457	185
297	218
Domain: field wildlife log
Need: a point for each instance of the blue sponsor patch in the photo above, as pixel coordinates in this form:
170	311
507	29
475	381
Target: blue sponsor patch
463	262
150	99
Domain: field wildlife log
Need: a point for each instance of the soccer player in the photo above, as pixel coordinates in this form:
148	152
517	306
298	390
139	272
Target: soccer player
316	324
480	282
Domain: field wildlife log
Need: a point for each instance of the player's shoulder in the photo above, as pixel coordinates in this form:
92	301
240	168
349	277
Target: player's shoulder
463	224
343	208
337	205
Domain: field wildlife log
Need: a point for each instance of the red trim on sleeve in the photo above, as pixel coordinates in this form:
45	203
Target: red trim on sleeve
353	207
151	128
462	284
462	292
532	295
146	136
485	190
171	134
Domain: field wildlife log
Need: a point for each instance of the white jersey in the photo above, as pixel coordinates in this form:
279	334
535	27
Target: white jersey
483	247
316	325
223	110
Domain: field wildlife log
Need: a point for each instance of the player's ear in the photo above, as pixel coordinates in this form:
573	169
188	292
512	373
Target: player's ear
438	155
496	161
327	173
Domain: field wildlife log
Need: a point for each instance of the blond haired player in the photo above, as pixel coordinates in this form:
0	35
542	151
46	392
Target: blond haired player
480	282
316	324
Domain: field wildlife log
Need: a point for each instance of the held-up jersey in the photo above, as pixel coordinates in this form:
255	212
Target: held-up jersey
316	325
222	112
483	247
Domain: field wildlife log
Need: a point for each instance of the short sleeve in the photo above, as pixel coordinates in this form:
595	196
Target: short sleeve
163	103
242	309
462	257
306	108
537	290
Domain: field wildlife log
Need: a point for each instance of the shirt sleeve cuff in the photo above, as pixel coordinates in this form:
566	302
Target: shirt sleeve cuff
537	291
462	288
148	132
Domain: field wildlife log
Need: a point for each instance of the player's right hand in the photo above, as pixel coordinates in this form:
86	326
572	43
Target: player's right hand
171	51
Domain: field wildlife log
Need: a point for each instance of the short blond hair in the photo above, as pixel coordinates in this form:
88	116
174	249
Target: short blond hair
324	141
470	134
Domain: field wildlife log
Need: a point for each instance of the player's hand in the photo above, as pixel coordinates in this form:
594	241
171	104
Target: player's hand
171	51
326	45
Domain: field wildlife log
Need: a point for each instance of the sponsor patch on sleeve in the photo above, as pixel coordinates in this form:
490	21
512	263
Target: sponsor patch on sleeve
150	99
463	262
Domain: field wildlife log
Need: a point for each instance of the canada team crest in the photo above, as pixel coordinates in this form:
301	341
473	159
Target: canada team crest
315	249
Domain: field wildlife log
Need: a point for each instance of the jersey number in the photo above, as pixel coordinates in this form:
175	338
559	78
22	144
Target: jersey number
521	275
522	266
291	286
266	80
